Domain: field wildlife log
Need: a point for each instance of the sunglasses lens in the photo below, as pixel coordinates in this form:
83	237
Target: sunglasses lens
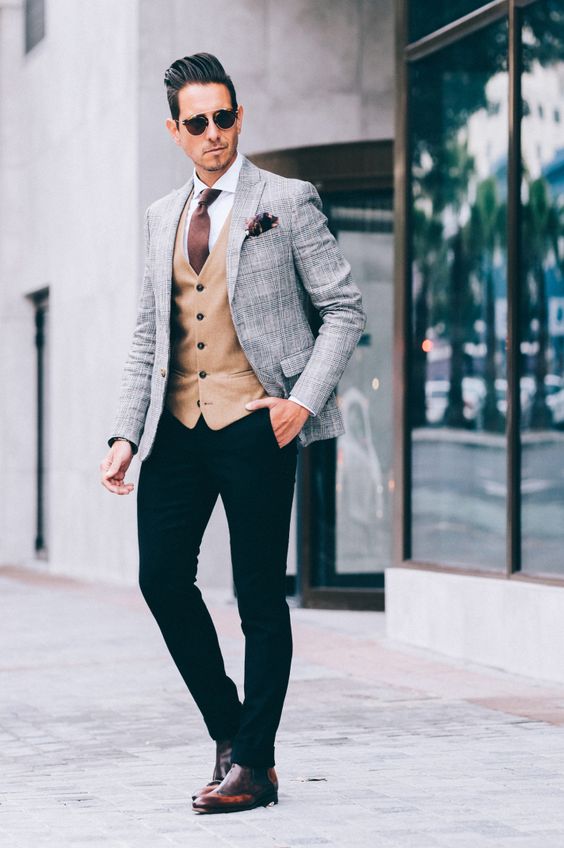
197	125
224	119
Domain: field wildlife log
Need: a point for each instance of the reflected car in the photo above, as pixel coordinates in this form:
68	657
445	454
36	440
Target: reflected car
436	398
554	386
527	394
474	395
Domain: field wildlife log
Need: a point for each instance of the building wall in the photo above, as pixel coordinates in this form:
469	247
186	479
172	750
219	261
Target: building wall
68	118
16	361
513	625
84	151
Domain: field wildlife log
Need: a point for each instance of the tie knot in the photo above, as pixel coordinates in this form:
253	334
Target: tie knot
208	196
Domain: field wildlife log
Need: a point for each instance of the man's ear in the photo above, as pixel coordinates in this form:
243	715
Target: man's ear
240	112
173	130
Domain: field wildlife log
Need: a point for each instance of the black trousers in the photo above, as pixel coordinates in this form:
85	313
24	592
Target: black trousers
177	489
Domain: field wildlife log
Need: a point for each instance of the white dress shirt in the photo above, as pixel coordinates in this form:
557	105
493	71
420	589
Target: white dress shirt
218	212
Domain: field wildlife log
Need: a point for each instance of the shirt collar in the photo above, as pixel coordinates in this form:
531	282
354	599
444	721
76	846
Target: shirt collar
227	182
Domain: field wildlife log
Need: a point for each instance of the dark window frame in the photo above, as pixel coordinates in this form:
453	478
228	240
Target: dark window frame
40	301
34	23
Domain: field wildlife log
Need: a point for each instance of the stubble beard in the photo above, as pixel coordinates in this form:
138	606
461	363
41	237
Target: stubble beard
218	166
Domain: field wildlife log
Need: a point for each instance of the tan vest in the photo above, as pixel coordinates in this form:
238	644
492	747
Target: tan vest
209	373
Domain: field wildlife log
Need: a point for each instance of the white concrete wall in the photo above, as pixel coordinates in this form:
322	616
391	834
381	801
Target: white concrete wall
70	194
17	372
508	624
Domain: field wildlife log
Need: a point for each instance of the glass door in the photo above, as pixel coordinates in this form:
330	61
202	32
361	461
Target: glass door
346	485
348	482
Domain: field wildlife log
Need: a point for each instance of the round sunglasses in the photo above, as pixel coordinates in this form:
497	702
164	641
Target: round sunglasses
222	118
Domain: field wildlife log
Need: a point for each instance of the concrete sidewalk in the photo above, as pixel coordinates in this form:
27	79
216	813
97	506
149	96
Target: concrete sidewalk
379	746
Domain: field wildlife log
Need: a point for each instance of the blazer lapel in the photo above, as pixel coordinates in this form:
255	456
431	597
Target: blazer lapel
247	197
170	227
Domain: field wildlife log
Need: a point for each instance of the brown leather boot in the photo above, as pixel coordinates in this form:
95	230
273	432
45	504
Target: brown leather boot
242	788
223	750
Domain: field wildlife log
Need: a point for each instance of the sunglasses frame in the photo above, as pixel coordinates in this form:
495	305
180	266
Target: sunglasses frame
186	121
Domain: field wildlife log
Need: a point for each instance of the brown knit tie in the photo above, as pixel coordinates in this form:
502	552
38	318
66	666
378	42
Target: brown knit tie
199	230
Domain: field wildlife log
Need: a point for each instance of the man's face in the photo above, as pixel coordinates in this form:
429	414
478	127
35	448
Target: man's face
215	149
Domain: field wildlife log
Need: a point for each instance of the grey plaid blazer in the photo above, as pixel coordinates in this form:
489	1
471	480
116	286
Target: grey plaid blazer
270	279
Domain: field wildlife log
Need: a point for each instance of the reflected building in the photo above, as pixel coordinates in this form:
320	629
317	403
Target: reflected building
479	282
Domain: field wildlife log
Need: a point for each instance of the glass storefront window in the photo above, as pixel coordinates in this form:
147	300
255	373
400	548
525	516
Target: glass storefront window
542	283
426	17
457	397
352	476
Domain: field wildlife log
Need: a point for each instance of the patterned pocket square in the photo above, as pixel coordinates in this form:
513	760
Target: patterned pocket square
261	223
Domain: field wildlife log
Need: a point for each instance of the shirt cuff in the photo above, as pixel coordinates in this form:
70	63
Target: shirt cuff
295	399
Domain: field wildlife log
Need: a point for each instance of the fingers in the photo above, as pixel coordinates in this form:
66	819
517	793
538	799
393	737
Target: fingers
118	488
283	436
268	402
113	468
287	420
115	483
110	465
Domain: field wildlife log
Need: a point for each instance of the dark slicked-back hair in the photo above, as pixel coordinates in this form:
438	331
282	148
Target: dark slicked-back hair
200	68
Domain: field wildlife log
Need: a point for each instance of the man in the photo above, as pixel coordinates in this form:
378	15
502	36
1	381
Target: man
224	378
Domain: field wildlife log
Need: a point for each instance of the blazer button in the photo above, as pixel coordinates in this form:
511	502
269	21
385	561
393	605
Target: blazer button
163	372
199	287
203	374
198	402
199	316
201	345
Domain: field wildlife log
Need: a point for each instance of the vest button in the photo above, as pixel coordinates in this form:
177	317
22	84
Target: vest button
198	402
199	287
203	374
199	316
201	345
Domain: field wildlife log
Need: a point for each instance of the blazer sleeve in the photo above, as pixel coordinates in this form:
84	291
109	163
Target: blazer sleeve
326	276
135	392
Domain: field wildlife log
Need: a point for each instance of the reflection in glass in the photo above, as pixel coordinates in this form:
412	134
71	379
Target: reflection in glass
542	270
353	485
457	392
364	452
426	17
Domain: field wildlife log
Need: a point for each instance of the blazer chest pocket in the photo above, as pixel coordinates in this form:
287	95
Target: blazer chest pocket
267	250
263	238
295	363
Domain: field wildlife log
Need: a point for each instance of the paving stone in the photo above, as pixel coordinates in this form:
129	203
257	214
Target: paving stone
101	745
